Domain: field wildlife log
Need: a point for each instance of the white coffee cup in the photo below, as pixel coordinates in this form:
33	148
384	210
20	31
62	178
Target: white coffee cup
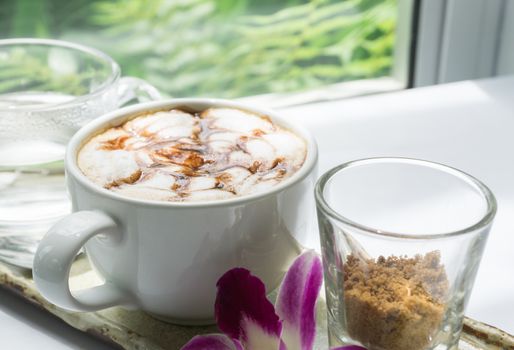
165	257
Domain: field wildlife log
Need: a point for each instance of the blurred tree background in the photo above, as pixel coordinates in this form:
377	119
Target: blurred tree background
222	48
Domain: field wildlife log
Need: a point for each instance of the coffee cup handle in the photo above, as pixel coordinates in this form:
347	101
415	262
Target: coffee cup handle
56	253
131	88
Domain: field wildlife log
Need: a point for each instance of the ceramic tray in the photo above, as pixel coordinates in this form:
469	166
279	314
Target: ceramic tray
133	330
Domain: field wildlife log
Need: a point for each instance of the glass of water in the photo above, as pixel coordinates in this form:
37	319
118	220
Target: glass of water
401	241
48	90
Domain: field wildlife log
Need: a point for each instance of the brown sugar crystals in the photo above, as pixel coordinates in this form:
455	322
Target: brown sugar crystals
395	303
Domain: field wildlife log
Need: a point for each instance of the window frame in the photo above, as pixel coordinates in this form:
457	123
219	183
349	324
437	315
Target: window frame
505	63
438	41
458	40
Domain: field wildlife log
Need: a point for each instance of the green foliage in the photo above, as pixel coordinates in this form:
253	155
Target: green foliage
42	18
22	71
230	48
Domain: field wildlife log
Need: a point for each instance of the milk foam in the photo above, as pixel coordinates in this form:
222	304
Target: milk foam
173	155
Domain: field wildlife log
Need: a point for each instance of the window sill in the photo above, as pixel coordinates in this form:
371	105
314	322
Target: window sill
327	93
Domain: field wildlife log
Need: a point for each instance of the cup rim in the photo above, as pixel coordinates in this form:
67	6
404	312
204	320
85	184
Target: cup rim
485	192
119	116
114	76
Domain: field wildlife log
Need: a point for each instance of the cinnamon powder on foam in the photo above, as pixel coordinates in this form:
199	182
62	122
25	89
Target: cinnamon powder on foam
395	303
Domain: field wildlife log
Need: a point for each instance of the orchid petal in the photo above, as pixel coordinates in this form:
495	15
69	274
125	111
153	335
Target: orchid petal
256	338
297	300
212	342
243	312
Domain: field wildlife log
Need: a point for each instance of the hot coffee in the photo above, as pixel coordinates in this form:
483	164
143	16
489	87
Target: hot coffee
202	173
177	156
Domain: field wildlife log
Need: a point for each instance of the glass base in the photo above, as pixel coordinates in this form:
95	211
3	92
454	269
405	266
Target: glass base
30	203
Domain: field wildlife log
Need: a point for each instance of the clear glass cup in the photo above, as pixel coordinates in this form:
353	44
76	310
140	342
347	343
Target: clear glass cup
48	90
402	241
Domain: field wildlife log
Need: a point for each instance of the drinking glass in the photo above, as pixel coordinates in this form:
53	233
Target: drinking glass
48	90
401	241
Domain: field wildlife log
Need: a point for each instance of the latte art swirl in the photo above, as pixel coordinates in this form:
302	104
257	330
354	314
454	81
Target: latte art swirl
177	156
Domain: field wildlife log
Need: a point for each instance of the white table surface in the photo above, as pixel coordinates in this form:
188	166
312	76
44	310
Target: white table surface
469	125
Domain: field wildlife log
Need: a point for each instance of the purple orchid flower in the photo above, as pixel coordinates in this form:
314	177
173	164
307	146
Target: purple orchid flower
249	320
